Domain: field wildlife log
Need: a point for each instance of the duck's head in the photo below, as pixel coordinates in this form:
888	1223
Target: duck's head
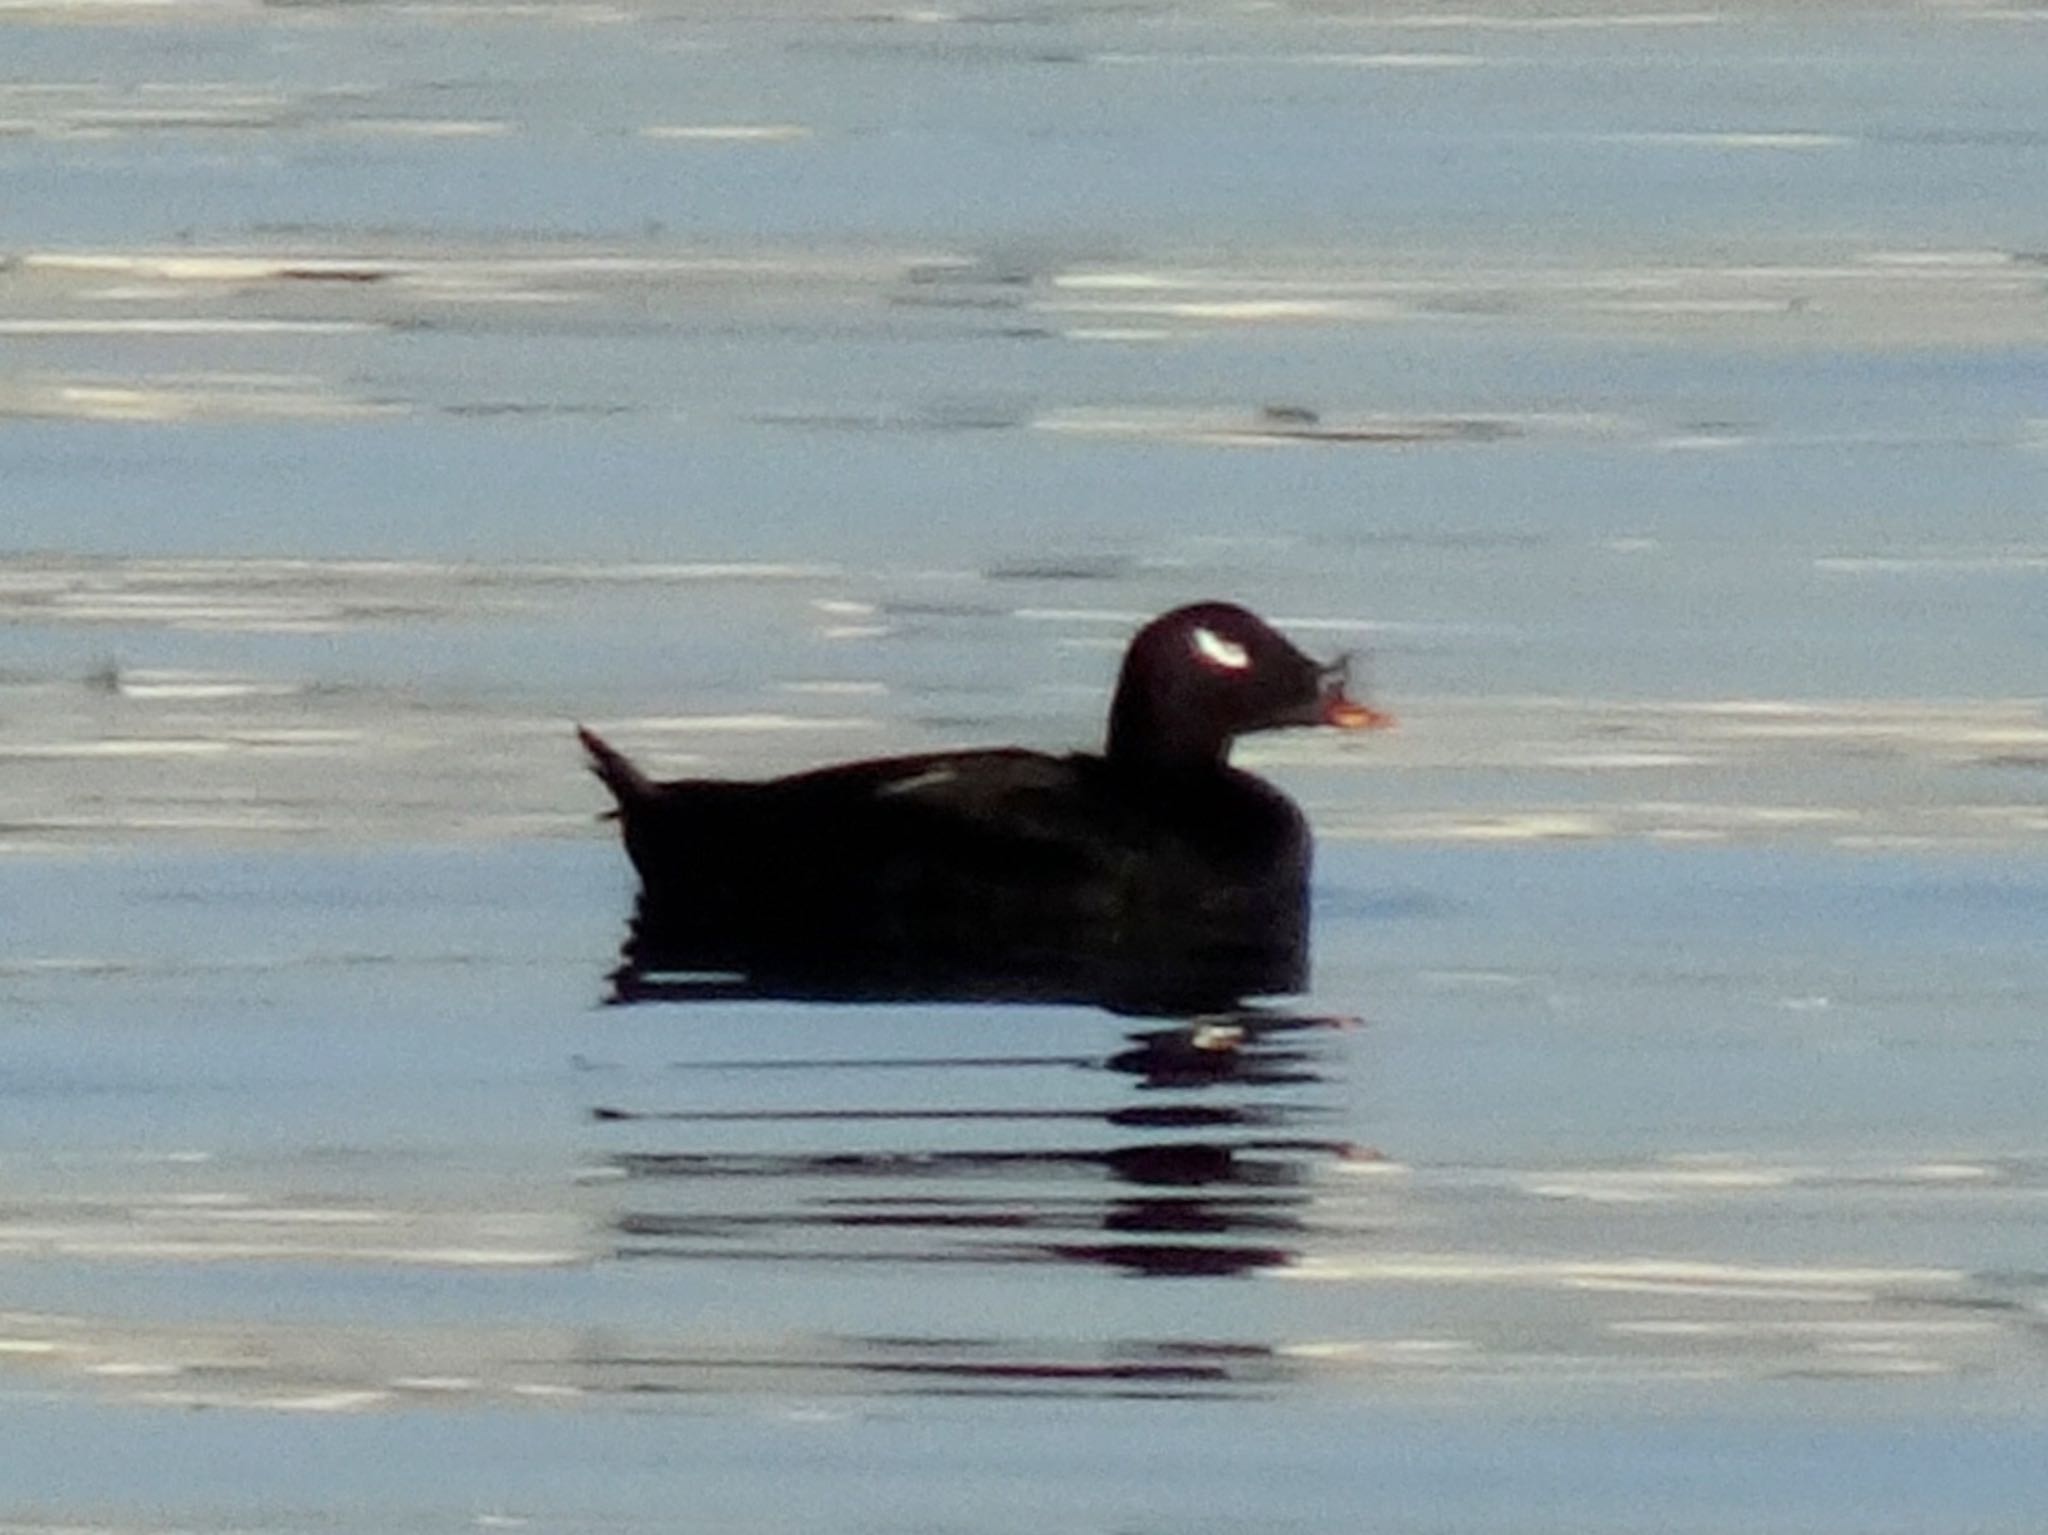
1196	678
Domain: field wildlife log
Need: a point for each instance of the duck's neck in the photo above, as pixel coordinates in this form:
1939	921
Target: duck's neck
1145	738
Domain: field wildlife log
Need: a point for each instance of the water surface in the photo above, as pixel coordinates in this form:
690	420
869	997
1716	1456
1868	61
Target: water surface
1653	394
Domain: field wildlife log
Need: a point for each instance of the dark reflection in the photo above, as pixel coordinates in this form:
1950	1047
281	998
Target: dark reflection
1166	1208
1211	1052
1188	969
1186	1147
958	1366
1182	1182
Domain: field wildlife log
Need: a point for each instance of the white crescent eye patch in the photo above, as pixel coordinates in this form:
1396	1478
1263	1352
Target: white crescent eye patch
1214	648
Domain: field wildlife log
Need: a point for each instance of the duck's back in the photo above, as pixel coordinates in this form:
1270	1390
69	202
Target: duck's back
1009	863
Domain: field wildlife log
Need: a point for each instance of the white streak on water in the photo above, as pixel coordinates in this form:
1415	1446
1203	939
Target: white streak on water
423	127
183	327
1384	60
1857	1330
1817	1281
1117	333
723	723
131	747
1510	22
1939	261
1241	309
1731	139
729	133
1381	60
183	686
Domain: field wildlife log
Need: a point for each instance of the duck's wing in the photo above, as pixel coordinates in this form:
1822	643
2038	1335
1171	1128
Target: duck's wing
1002	793
986	820
998	816
924	858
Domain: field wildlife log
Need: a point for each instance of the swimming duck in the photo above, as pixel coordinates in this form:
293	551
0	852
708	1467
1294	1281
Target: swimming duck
1154	872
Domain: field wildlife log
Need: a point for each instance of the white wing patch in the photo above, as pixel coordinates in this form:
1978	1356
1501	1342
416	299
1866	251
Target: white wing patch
1215	649
930	778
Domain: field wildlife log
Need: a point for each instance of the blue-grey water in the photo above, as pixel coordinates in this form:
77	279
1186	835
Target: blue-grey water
1656	396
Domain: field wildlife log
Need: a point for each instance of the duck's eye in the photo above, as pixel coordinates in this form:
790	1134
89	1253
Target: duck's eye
1218	651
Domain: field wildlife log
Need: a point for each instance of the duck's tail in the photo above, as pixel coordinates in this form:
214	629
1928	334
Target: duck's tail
628	784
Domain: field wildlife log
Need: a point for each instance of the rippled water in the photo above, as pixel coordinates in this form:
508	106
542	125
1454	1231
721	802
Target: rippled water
1653	395
1749	1136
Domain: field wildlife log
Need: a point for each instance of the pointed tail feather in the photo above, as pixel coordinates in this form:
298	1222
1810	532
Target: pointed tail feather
628	784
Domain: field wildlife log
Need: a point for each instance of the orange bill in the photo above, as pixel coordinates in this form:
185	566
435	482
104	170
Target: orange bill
1347	713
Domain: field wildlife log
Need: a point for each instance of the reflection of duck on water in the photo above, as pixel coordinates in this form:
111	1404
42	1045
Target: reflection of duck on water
1205	1188
1212	1051
1154	875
